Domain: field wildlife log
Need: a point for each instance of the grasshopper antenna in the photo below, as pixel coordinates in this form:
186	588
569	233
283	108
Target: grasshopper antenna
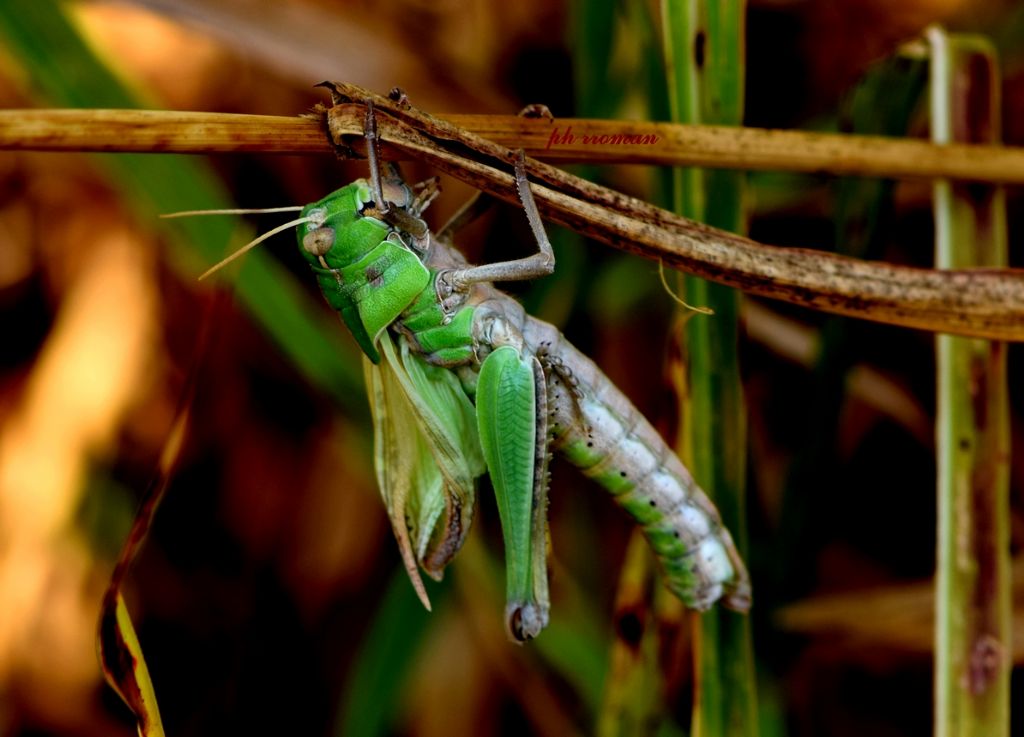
255	241
253	244
231	211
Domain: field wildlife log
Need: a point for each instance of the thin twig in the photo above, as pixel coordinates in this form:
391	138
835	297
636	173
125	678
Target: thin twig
606	141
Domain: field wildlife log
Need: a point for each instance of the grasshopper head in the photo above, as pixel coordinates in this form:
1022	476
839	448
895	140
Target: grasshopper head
340	230
365	268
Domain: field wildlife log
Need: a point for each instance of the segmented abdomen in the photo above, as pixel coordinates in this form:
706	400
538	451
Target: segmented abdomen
600	431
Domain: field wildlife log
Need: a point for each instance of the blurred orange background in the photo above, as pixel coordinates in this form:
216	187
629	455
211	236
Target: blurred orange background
272	551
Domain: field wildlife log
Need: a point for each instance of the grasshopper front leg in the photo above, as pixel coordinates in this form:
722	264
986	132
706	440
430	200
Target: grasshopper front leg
539	264
458	281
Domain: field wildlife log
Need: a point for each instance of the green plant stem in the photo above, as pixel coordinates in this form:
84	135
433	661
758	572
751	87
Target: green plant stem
973	589
705	58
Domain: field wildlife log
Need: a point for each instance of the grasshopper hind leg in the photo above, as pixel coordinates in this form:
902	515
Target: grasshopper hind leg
511	401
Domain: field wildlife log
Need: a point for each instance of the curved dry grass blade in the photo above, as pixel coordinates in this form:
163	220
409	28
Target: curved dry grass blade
124	666
979	302
120	652
118	646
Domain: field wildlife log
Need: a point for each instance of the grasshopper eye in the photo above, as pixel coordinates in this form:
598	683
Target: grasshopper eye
318	242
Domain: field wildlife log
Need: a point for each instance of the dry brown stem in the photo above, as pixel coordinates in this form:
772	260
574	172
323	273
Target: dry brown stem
593	141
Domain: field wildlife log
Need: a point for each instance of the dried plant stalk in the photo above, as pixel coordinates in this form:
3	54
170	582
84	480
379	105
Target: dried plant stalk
568	140
158	131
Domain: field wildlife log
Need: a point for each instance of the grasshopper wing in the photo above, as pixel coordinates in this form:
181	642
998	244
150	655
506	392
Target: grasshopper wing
427	456
403	466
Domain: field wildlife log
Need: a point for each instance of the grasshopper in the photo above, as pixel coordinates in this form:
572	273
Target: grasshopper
463	381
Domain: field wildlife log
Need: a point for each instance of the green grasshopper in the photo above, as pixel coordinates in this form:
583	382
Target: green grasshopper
463	381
